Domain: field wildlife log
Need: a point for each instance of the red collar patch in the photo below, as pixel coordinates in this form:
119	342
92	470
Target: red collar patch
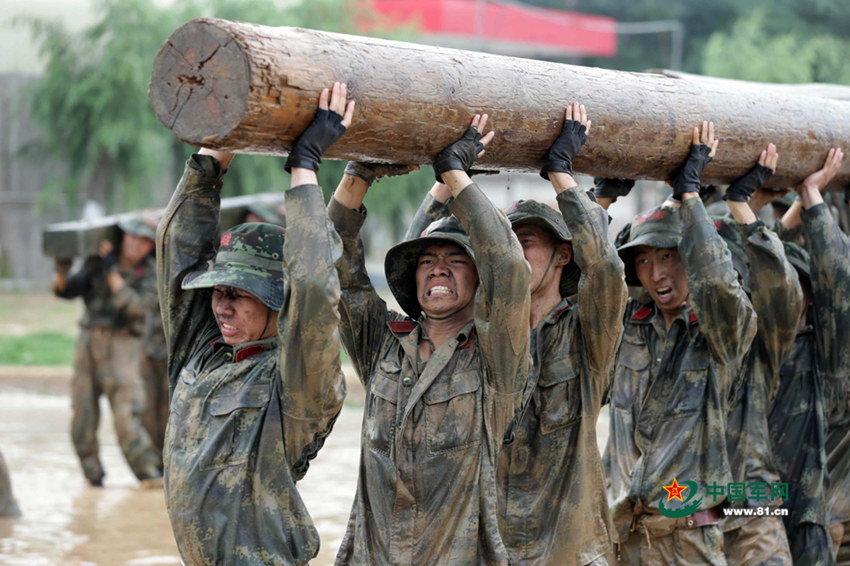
245	353
402	326
693	318
642	313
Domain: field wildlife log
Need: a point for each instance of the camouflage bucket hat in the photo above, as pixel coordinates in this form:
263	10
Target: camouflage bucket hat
402	259
141	227
538	214
250	258
659	227
727	228
799	258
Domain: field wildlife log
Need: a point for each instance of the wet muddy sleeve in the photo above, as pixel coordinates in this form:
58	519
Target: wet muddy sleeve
775	293
502	302
185	242
363	314
725	314
429	211
308	325
602	291
830	264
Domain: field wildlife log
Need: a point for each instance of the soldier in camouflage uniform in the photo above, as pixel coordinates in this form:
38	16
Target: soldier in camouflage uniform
775	292
253	343
806	419
118	290
552	502
442	383
675	367
8	505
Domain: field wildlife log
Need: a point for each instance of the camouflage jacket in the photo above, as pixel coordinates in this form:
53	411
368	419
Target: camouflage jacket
670	393
432	431
245	420
125	309
778	299
829	249
552	503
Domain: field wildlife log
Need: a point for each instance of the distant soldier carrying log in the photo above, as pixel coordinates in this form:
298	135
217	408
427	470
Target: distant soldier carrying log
443	381
251	324
118	288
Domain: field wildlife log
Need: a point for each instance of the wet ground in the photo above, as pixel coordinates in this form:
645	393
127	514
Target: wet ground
66	522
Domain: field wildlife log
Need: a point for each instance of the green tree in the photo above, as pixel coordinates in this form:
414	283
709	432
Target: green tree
92	105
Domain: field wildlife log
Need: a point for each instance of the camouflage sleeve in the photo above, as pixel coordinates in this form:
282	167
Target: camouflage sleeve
308	325
788	234
830	264
363	314
76	283
602	291
185	241
775	293
502	303
725	314
429	211
137	299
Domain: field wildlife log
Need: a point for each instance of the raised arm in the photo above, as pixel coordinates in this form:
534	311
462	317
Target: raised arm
308	325
830	252
602	291
774	286
434	206
724	312
502	302
185	242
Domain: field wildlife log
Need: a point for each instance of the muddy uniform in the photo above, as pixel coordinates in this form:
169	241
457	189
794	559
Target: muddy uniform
777	298
432	430
106	361
245	420
553	507
669	401
154	370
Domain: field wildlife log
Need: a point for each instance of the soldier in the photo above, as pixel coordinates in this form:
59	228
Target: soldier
117	289
442	382
808	418
675	367
552	503
774	290
8	505
254	366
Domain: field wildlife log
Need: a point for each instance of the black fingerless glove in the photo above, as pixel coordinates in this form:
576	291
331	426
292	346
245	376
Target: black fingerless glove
611	188
687	179
322	132
460	155
371	172
62	265
745	185
111	261
564	149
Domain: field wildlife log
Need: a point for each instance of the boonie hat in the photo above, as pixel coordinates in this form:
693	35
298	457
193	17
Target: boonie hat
141	227
524	212
249	258
659	227
402	259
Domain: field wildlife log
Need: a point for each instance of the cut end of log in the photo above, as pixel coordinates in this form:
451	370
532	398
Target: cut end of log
200	82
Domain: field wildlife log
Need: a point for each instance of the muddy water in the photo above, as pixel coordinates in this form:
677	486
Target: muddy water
66	522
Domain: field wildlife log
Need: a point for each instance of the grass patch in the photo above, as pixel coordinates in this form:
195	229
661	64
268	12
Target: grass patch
38	349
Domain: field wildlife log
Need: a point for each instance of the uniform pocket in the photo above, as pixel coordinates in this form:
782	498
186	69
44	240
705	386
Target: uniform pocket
381	408
632	361
559	395
453	412
234	425
688	394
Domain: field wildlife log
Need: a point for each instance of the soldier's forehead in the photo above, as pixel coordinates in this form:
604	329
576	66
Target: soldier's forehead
446	248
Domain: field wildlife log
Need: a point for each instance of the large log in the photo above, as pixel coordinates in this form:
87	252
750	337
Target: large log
252	89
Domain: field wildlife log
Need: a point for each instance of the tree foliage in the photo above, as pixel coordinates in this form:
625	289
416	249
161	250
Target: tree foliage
93	110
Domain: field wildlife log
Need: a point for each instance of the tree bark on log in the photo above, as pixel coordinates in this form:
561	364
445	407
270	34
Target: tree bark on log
247	88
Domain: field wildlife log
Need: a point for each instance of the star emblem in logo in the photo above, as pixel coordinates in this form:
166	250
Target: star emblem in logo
675	490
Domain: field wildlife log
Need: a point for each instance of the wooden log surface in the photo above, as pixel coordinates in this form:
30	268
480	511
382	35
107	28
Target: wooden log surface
247	88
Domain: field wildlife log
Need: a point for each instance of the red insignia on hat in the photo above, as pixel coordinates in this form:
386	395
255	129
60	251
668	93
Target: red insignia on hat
225	240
